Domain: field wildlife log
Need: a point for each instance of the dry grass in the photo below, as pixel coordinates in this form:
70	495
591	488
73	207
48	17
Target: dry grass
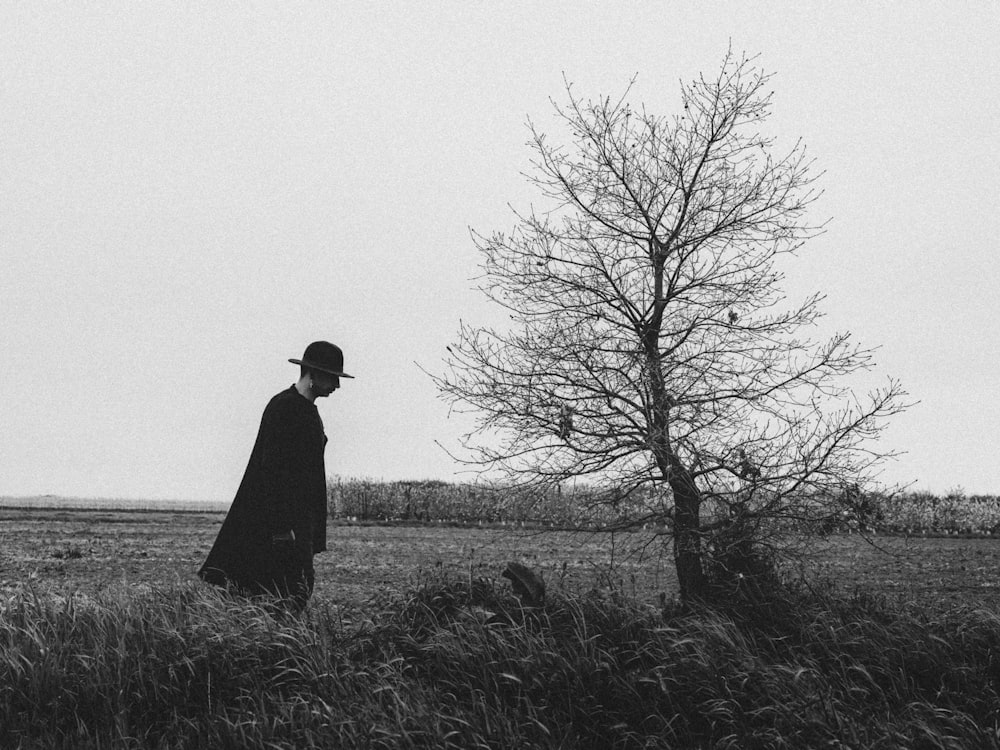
458	663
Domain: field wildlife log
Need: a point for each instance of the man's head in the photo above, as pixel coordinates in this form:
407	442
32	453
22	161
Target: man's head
320	384
321	368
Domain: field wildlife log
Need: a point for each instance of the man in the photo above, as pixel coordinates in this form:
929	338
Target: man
277	520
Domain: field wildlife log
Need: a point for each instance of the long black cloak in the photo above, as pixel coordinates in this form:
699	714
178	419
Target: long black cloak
283	489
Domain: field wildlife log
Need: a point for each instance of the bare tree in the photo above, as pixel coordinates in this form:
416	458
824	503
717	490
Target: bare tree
651	347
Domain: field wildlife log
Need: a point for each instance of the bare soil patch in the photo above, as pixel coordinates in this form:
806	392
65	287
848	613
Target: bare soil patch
84	551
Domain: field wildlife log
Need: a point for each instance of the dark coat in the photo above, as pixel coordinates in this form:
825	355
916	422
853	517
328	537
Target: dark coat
283	489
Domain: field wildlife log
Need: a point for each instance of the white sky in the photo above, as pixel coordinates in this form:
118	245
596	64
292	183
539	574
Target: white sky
192	192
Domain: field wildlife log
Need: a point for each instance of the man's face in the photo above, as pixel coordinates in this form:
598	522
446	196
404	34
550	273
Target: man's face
324	383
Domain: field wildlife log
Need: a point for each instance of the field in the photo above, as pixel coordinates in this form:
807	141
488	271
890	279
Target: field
396	650
84	551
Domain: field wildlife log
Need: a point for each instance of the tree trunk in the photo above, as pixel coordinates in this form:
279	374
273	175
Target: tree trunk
687	534
686	496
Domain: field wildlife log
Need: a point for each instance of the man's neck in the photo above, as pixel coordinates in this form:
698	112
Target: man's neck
304	387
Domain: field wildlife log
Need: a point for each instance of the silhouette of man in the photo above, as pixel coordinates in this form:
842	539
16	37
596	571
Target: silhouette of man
277	520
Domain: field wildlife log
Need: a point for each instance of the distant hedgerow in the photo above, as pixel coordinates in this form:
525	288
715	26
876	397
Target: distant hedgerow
573	506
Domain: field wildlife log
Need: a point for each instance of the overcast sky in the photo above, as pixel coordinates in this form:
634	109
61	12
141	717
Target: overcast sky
192	192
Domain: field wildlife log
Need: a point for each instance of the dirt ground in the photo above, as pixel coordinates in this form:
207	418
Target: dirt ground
76	550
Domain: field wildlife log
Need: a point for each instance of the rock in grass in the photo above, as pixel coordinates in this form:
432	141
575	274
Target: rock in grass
527	584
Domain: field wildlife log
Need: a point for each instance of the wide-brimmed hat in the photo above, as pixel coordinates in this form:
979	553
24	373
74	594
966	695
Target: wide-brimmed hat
323	356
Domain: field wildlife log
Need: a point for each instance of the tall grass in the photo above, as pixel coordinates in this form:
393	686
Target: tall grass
461	664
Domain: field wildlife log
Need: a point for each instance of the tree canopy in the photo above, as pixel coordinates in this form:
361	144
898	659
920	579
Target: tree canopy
651	347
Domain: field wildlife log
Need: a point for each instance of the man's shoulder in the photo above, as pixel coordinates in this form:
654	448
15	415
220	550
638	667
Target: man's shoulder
287	394
290	409
288	400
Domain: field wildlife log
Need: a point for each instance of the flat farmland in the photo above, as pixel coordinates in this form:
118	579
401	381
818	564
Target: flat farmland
87	550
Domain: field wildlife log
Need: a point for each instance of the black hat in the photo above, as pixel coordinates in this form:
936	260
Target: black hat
323	356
